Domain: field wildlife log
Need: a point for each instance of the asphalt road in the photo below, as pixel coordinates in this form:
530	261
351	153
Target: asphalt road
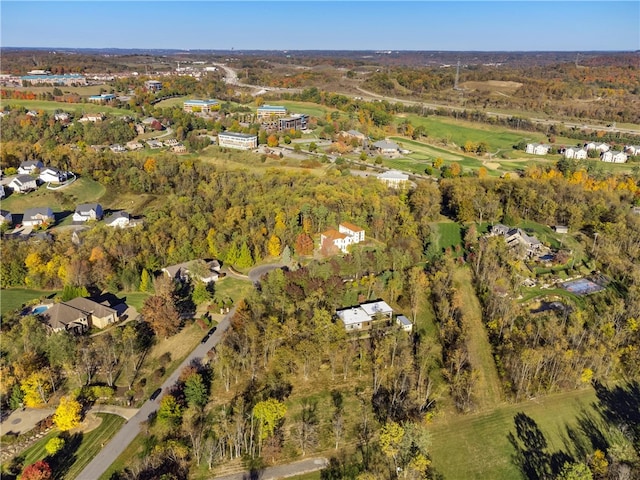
131	428
281	471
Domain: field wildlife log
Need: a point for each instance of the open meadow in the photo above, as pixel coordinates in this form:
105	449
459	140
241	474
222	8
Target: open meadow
51	106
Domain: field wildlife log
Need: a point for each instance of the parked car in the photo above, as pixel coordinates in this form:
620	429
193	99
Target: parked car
155	394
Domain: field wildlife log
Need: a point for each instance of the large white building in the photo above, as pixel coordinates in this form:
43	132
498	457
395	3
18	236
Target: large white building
200	106
270	112
393	178
241	141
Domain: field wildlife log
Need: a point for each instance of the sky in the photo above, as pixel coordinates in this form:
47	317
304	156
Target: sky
324	25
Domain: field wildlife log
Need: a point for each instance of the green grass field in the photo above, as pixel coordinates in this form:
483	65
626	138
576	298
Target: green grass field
233	288
313	109
134	299
446	234
90	444
476	446
50	106
13	298
83	190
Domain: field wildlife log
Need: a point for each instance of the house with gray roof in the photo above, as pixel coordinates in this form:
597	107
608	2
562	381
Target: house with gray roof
38	216
393	178
5	217
118	219
62	317
29	166
23	184
87	211
518	239
99	316
389	149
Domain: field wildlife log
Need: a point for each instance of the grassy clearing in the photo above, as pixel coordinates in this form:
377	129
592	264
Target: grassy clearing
50	106
446	234
313	109
86	90
476	446
233	288
14	298
488	390
134	299
74	461
83	190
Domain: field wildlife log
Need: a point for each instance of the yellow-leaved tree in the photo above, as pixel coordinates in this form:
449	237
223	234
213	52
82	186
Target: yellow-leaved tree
67	414
36	389
274	246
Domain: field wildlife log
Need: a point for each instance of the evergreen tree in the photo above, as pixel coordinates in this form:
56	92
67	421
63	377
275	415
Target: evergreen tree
244	257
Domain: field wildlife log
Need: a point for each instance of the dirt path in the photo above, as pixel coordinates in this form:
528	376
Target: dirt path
488	390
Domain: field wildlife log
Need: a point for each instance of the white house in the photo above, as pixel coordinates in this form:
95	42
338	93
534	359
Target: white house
601	147
378	308
393	178
29	166
87	211
23	184
354	318
613	156
117	148
331	239
538	148
632	149
133	145
154	144
52	175
575	153
356	233
37	216
405	323
119	219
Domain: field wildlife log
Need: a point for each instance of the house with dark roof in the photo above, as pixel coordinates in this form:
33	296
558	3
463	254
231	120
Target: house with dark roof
5	217
388	149
120	219
62	317
87	211
517	238
29	166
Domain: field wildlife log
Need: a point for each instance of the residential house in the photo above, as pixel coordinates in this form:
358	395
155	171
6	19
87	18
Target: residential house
87	211
353	231
62	117
139	129
575	153
267	113
298	121
172	142
120	219
154	144
92	117
23	184
354	134
377	309
62	317
38	216
632	149
404	323
29	167
241	141
561	229
613	156
98	315
180	148
538	148
601	147
133	145
206	271
388	149
201	106
117	148
393	178
5	217
332	240
2	192
354	318
517	238
52	175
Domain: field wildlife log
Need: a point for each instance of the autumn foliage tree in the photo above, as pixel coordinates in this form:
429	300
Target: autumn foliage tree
67	414
160	310
37	471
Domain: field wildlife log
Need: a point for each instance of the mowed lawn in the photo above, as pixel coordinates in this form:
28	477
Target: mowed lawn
312	109
74	460
83	190
476	446
13	298
460	131
51	106
446	234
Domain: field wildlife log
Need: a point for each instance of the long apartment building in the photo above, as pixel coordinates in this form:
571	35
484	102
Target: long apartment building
241	141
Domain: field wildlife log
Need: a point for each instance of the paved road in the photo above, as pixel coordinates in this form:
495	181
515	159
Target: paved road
131	428
281	471
256	273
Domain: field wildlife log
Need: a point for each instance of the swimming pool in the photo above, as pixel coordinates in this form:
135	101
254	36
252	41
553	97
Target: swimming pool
39	309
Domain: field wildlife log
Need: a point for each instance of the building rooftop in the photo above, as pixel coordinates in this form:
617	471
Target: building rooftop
376	307
353	315
351	226
237	135
201	102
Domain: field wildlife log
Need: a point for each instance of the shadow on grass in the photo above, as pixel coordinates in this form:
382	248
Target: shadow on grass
62	461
